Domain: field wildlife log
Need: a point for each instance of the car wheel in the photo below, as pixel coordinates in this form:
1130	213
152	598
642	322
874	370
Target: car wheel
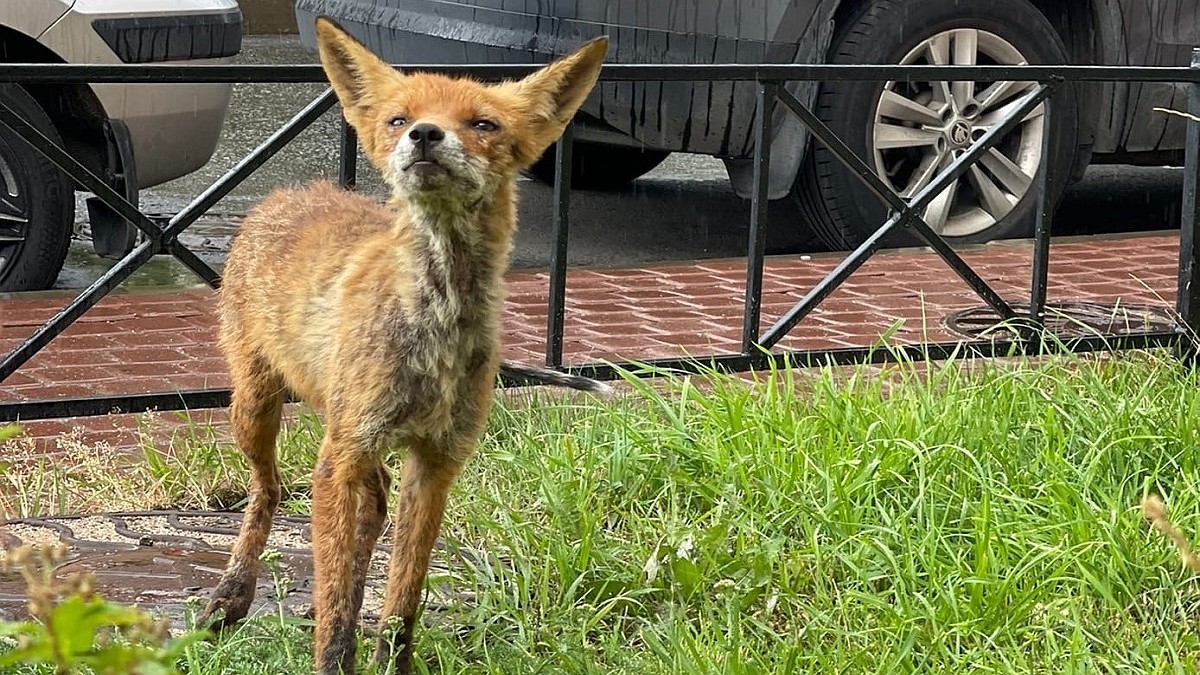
37	203
908	131
600	167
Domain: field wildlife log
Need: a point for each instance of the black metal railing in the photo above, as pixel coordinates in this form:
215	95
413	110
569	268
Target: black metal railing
756	346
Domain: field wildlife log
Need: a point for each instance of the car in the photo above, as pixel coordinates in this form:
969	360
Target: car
133	135
906	131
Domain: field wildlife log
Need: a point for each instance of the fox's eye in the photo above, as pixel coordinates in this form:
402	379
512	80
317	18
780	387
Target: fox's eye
486	126
398	121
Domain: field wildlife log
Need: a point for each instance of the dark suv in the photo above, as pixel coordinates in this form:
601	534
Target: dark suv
906	130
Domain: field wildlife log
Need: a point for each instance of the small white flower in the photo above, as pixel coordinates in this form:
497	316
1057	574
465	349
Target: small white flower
684	550
772	602
653	564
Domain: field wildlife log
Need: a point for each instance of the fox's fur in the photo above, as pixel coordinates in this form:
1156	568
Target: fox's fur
386	319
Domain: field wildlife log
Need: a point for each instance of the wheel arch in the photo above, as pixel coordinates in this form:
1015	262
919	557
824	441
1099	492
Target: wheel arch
1089	39
789	137
73	108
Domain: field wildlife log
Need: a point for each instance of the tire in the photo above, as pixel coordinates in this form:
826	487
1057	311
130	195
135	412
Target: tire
596	166
37	203
990	202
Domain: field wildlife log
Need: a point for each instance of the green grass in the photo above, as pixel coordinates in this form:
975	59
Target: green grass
938	519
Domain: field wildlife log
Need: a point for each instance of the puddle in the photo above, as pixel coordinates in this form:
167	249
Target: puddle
209	239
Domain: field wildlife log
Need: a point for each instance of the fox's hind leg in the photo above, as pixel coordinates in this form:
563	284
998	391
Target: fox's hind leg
254	415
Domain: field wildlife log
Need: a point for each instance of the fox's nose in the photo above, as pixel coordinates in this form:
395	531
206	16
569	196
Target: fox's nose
426	134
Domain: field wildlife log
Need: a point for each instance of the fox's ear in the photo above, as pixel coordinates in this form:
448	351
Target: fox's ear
551	96
352	69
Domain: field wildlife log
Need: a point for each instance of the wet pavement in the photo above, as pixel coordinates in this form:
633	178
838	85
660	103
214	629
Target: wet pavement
169	562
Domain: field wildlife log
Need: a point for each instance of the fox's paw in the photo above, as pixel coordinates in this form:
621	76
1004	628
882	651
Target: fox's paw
229	604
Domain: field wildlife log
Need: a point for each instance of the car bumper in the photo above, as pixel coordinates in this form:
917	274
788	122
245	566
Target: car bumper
180	37
174	128
712	118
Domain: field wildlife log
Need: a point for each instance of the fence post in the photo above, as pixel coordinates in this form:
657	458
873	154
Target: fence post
556	310
1045	180
752	313
1187	301
348	157
1045	218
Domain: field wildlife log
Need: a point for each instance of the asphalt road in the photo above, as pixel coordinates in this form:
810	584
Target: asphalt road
683	210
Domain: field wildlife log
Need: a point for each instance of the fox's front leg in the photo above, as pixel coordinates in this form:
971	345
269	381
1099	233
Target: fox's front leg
339	480
372	516
424	484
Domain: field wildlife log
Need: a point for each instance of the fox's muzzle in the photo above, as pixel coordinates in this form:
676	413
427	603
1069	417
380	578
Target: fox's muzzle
429	158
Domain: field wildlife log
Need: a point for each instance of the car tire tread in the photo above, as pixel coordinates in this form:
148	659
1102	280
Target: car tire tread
52	201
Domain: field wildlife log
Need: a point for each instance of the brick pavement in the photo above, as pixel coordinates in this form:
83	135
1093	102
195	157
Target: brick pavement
154	341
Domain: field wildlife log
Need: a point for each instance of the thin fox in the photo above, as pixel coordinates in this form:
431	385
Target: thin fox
386	319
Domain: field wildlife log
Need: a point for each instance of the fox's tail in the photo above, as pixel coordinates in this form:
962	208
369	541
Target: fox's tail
1155	512
538	375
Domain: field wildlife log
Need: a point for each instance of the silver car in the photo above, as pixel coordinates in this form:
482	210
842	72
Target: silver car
134	135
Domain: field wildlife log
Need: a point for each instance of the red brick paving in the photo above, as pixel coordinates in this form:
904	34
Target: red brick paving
153	341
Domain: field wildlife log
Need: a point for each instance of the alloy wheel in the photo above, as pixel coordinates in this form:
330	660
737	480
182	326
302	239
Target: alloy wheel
921	127
14	214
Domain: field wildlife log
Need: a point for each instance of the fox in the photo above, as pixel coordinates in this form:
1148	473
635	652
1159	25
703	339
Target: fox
384	317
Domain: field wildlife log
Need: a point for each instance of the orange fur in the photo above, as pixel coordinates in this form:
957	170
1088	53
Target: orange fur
385	318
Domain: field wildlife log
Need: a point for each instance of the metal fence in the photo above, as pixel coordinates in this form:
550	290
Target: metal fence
757	346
